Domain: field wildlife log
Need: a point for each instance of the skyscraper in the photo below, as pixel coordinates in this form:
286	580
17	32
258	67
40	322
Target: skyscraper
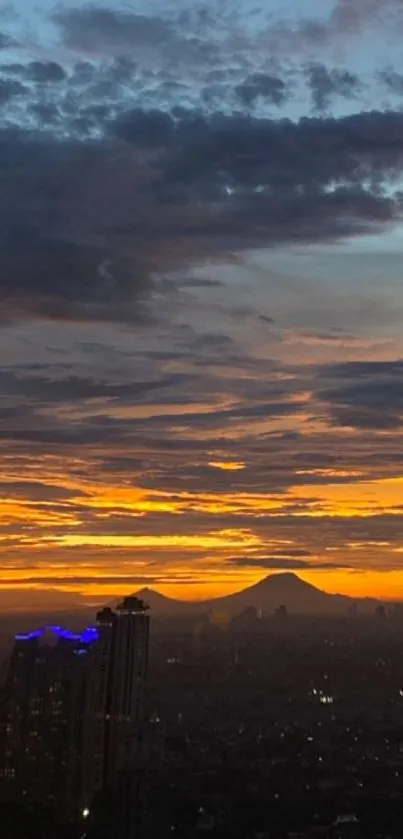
113	755
96	733
128	673
41	718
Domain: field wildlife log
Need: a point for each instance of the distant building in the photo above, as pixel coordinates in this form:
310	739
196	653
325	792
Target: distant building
246	621
346	827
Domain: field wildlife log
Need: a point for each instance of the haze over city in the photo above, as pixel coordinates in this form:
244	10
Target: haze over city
200	273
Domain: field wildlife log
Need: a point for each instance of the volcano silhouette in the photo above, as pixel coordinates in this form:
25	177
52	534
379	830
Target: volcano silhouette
300	597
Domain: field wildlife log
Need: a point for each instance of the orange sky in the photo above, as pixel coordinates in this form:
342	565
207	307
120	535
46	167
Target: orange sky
46	549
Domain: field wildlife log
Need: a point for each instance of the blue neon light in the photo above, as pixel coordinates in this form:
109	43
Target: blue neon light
27	636
88	636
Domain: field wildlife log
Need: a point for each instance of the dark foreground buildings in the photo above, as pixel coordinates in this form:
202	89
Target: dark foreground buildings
72	732
275	729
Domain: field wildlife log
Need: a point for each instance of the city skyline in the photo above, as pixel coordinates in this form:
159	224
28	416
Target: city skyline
201	346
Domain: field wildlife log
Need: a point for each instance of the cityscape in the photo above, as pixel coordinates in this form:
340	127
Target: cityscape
277	724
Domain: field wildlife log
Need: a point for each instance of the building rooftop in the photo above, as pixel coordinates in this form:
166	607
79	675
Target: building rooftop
132	605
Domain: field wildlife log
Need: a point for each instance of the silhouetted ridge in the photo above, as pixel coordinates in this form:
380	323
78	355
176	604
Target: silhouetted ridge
282	589
286	580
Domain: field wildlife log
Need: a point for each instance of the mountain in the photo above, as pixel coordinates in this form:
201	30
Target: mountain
162	605
288	589
301	598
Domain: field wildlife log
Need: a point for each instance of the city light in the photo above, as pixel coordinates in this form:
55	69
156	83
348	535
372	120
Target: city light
324	698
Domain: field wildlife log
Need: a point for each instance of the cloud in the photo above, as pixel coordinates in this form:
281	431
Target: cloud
347	18
102	30
157	193
392	80
270	88
58	279
80	580
275	562
363	369
10	89
348	21
45	71
35	491
370	395
55	388
292	552
32	599
373	404
6	41
325	85
199	29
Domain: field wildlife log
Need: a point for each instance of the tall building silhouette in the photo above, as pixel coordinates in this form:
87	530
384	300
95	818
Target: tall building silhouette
96	734
41	718
114	759
128	673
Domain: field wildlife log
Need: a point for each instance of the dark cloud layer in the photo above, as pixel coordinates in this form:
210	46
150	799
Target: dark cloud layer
376	404
276	563
365	394
53	388
86	226
35	491
364	369
9	89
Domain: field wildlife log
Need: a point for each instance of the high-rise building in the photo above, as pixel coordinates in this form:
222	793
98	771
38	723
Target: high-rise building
115	696
128	676
114	761
41	718
96	734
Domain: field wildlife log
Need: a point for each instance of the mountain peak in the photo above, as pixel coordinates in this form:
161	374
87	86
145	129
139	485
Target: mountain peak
286	579
149	592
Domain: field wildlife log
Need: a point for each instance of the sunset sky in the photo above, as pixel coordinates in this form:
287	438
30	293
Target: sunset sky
201	344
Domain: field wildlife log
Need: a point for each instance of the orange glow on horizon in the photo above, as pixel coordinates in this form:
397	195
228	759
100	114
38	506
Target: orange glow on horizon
73	548
358	584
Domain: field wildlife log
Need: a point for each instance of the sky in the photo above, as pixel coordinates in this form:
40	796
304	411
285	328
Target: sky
201	352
